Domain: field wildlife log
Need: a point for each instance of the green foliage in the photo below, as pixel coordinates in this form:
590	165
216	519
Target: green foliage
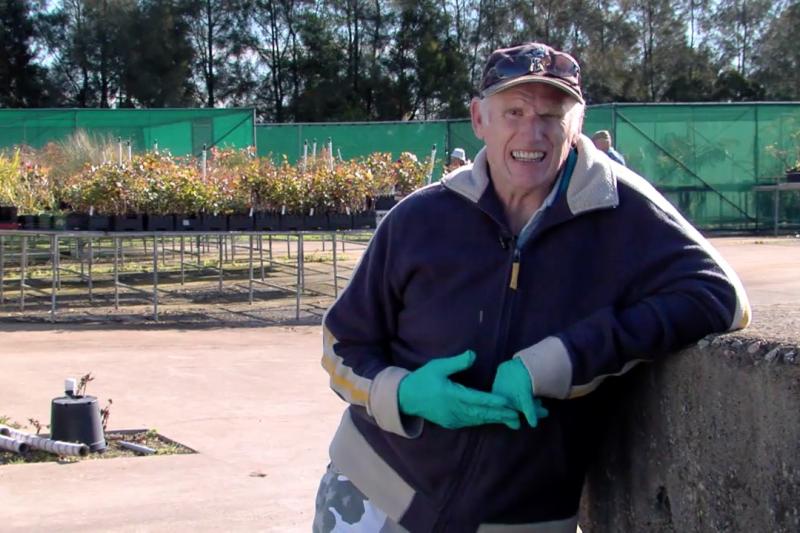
787	150
235	181
24	184
227	176
9	178
109	189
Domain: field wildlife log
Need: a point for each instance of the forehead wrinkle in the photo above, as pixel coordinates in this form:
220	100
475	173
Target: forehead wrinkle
537	95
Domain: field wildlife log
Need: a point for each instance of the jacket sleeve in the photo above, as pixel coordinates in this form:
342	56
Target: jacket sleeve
682	290
356	334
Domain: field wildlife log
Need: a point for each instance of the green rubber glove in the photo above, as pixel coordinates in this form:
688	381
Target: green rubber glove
513	382
429	393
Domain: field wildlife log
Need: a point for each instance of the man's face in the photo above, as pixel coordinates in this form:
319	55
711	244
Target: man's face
528	131
602	143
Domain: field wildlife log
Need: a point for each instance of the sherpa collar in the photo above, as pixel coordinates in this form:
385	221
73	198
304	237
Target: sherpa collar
593	184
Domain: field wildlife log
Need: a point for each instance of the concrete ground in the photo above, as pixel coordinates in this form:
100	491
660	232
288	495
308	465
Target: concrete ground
254	402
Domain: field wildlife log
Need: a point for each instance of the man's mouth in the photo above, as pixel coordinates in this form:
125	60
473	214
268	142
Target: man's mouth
526	156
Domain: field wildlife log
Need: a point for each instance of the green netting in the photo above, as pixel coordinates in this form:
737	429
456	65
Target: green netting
181	131
707	158
352	140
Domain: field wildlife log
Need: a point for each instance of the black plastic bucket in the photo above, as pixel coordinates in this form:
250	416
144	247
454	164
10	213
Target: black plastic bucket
77	420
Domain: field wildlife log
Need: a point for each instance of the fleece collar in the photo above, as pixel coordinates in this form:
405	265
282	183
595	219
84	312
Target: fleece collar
593	184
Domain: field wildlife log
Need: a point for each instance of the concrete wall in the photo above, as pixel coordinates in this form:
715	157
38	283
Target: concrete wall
706	440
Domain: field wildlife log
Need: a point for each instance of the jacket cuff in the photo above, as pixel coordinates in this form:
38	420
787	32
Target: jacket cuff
549	367
383	405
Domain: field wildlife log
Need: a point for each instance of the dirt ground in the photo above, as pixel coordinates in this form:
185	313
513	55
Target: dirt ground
253	401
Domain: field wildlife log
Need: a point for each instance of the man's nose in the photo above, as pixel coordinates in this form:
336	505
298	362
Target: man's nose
533	126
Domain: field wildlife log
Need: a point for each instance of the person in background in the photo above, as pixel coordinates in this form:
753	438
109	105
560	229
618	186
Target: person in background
458	158
602	140
477	340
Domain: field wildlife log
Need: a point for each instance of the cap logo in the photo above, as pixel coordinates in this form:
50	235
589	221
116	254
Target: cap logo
533	60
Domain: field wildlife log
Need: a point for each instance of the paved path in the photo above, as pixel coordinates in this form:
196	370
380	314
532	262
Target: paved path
254	402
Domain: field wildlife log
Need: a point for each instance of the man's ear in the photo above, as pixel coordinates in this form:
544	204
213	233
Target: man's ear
477	117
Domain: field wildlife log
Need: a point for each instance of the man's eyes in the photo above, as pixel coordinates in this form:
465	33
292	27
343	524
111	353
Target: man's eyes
519	112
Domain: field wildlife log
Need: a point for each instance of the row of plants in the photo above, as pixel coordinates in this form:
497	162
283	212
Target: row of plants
234	185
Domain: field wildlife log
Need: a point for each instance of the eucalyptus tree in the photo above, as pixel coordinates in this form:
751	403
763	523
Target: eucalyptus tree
22	80
219	31
82	41
776	56
736	25
157	56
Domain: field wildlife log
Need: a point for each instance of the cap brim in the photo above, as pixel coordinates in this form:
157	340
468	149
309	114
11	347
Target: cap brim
554	82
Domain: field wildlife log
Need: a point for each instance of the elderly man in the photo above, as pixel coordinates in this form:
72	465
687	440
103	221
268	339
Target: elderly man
489	307
602	140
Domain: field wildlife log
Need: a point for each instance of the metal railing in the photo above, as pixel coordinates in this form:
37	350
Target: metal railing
113	257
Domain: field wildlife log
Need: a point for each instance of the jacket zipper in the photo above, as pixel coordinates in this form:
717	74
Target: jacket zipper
474	442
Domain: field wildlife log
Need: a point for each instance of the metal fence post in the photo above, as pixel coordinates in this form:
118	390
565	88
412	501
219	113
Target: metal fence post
219	245
23	268
2	267
54	286
297	284
251	270
261	254
116	273
91	263
155	279
182	270
335	274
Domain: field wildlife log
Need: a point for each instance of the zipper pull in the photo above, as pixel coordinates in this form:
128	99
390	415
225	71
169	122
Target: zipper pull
514	270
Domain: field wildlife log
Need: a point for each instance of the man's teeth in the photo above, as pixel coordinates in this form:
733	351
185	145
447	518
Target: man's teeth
521	155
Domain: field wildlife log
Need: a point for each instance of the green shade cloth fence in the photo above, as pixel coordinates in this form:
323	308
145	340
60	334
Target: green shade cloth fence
181	131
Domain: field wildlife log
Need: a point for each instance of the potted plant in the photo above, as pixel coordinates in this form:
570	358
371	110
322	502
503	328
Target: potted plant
34	195
9	176
104	197
793	173
787	154
261	180
156	190
230	197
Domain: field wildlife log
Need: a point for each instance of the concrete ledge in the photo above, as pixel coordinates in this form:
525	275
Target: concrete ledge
706	440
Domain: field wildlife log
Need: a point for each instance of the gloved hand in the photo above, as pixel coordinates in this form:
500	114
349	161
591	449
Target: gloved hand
513	382
428	393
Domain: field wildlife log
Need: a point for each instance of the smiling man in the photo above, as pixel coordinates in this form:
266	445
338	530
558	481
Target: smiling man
478	337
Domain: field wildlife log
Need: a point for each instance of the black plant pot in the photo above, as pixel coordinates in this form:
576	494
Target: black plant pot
76	222
87	222
190	223
35	222
292	222
77	419
316	221
216	222
385	202
793	176
58	222
128	222
159	222
8	213
364	220
240	222
340	221
267	221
